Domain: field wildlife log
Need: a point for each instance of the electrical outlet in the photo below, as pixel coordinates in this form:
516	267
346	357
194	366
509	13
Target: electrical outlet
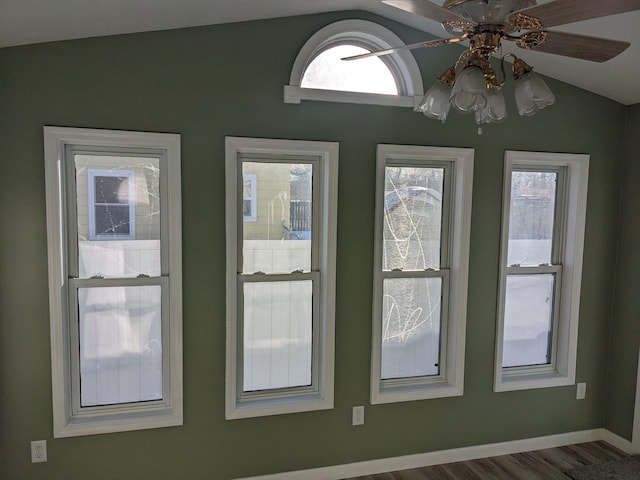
357	417
581	391
38	451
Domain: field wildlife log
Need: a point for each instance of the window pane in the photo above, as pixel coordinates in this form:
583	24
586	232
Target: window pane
528	320
531	218
411	324
120	344
412	218
112	219
277	334
111	189
118	215
329	72
279	239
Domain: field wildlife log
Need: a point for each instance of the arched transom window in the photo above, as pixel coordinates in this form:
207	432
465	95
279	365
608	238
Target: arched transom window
319	73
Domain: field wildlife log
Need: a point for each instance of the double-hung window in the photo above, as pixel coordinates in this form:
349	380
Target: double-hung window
280	276
114	241
423	212
541	263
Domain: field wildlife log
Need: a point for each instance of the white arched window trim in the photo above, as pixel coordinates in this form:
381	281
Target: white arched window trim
368	35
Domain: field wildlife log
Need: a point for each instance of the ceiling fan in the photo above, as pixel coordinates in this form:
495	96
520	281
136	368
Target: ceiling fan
471	84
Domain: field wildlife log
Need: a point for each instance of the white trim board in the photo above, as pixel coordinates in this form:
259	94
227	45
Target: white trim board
635	433
372	467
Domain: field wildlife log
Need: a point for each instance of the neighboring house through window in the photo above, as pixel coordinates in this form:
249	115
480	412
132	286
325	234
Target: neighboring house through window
541	264
319	73
423	212
249	203
111	204
114	243
280	282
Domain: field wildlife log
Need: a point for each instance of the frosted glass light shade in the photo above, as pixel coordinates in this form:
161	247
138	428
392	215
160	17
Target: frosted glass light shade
469	93
435	104
495	111
532	94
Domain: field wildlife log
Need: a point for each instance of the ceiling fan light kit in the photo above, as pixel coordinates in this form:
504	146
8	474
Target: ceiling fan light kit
471	84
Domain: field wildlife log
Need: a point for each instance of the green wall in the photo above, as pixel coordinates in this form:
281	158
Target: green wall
625	331
205	83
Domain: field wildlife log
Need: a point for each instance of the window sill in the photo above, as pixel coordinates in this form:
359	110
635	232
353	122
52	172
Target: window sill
295	94
381	394
528	381
266	407
95	425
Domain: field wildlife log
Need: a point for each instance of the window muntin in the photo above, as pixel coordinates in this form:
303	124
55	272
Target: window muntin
422	224
328	71
115	317
280	305
541	263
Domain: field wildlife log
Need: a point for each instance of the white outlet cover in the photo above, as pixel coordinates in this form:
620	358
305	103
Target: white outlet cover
358	415
581	391
38	451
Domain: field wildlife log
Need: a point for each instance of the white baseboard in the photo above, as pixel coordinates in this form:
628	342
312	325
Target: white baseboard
373	467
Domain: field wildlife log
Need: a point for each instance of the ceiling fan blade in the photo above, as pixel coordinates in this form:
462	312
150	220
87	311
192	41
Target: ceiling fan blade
594	49
426	9
561	12
431	43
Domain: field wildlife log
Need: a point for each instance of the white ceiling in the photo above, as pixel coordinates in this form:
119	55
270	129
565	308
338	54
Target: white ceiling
35	21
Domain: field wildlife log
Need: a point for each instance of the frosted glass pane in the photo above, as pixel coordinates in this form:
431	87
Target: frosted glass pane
120	344
411	325
528	320
277	347
531	217
329	72
277	239
118	216
412	218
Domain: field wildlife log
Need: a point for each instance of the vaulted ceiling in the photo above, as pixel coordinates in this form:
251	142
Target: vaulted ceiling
34	21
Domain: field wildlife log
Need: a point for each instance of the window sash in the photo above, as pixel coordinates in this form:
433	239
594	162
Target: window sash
316	345
559	220
126	407
70	201
556	271
394	383
316	207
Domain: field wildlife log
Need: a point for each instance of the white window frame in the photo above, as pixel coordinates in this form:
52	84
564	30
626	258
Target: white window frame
370	36
569	227
454	273
69	417
318	396
96	172
253	180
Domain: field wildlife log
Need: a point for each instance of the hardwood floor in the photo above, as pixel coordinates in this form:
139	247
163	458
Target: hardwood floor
548	464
